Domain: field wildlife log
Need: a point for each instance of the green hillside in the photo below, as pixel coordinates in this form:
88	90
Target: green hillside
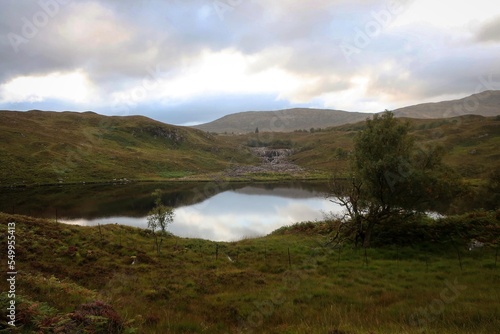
281	120
59	148
65	147
486	103
470	143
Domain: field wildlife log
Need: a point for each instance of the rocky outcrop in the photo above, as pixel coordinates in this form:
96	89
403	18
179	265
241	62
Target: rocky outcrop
272	155
273	161
171	135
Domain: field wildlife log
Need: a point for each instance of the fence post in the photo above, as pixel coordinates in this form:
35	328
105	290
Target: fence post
100	232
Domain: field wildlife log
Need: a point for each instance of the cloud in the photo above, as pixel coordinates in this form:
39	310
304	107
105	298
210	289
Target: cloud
449	14
74	87
490	32
165	58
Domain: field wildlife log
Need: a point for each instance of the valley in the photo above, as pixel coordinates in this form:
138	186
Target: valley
64	148
78	187
248	167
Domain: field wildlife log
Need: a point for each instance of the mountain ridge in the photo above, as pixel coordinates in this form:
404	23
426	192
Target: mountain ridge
486	104
284	120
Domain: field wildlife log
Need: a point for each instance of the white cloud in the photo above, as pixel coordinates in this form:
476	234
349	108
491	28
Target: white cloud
350	100
221	72
73	87
448	14
93	26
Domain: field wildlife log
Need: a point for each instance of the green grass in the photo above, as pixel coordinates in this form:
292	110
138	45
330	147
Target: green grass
394	289
52	148
470	142
174	174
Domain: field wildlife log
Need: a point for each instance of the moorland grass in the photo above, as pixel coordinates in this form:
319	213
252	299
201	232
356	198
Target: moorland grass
286	282
53	148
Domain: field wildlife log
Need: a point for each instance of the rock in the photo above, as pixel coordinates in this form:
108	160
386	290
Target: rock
273	161
172	135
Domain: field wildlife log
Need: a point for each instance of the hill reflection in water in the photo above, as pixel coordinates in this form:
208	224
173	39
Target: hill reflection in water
228	213
236	214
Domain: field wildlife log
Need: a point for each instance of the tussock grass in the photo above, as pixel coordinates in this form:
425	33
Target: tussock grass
399	289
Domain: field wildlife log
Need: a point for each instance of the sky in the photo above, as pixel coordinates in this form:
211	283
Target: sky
187	62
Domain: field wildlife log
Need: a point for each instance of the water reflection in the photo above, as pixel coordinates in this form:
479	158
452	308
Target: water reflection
223	212
232	215
236	214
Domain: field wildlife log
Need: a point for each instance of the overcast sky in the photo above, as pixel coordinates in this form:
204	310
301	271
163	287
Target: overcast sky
192	61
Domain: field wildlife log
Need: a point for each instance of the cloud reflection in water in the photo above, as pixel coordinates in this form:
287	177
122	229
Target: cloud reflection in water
232	215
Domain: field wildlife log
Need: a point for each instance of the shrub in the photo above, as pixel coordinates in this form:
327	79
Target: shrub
98	317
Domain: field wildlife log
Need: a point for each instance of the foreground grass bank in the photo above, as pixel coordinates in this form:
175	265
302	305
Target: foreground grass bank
82	278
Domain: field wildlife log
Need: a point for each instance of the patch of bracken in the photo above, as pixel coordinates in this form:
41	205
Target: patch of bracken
97	317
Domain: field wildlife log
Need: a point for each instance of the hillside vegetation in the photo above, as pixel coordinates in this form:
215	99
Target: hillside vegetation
60	148
420	277
52	147
281	120
470	144
486	103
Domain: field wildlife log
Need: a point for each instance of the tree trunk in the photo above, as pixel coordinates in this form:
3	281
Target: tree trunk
360	234
368	234
156	244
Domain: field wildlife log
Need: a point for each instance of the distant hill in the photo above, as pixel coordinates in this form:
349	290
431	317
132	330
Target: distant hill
282	120
483	104
66	147
470	144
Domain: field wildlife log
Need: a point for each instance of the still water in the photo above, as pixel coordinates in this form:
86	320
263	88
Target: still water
218	212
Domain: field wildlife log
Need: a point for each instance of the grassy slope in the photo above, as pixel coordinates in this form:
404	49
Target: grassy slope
50	147
485	104
70	147
470	142
281	120
186	290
